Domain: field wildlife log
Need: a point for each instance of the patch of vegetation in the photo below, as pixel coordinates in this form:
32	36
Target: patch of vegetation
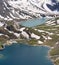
1	45
54	51
6	32
55	37
50	43
53	41
34	31
52	29
57	62
21	40
44	27
32	42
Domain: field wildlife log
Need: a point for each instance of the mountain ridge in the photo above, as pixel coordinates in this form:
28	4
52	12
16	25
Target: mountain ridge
25	9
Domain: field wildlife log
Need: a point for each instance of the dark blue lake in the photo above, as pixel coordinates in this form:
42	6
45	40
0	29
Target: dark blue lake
20	54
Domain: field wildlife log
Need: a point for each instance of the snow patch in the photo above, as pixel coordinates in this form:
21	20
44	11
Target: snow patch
25	34
35	36
21	29
47	37
18	35
40	42
1	24
1	34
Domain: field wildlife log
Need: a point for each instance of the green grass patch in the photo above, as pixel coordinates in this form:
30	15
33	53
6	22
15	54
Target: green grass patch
57	62
54	51
32	42
50	43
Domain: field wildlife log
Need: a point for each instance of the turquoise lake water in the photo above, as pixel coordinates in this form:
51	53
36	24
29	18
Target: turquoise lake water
34	22
20	54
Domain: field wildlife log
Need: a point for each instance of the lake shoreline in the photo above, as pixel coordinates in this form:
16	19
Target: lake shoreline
49	56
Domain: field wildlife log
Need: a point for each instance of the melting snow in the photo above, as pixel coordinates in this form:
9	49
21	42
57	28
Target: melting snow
1	24
17	34
40	42
35	36
21	29
25	34
1	34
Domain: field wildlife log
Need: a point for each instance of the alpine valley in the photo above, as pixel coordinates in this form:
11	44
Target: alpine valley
32	22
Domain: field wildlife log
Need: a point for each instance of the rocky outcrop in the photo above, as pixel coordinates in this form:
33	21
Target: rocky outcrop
11	10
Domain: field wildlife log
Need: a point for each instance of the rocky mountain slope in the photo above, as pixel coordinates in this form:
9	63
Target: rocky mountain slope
24	9
13	11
